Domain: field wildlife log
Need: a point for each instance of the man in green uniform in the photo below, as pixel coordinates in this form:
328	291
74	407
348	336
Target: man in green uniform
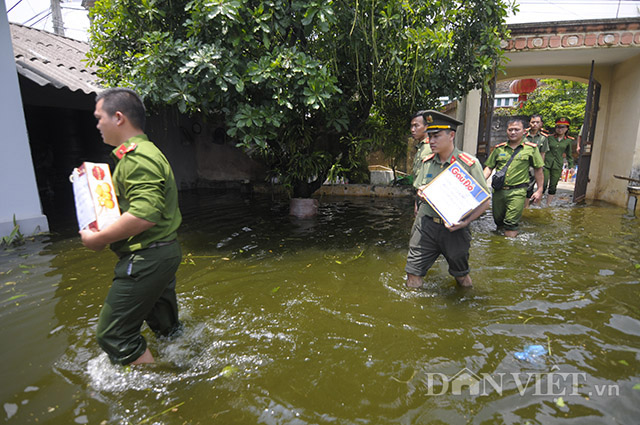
420	136
560	148
144	237
508	202
430	237
535	134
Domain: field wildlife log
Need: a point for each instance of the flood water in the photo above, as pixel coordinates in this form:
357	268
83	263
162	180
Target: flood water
293	321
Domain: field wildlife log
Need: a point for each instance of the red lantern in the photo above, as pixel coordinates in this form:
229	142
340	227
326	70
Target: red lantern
522	87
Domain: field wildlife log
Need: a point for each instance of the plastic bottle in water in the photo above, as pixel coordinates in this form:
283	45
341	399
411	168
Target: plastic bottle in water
533	354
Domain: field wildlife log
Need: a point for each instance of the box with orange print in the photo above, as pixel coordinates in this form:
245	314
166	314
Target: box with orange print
95	198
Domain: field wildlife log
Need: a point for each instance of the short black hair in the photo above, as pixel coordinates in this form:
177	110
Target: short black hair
536	116
516	120
420	114
125	100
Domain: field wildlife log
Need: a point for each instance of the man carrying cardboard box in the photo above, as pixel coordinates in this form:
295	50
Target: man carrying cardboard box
430	235
144	237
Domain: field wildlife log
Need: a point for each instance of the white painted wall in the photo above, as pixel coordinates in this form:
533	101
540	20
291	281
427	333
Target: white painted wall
18	188
471	121
619	153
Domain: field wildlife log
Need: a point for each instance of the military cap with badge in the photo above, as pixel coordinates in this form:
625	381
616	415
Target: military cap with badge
437	121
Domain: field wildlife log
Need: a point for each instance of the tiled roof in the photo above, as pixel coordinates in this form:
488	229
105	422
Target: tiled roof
47	58
607	33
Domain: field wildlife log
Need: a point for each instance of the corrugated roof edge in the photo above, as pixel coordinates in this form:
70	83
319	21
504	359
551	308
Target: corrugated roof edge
27	40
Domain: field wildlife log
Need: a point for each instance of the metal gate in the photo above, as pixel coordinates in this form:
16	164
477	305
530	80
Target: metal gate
484	126
586	142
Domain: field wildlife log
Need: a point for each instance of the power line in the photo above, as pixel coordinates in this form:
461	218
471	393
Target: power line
618	11
36	16
44	17
11	8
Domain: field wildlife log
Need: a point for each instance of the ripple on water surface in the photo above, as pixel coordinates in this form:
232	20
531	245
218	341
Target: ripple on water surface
308	321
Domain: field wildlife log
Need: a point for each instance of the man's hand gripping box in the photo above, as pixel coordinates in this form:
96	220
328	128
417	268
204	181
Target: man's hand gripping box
96	202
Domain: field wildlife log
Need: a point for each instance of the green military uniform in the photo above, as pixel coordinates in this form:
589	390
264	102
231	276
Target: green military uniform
540	139
429	236
508	202
554	160
143	287
422	151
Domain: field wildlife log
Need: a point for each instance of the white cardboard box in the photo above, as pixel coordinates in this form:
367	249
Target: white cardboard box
96	202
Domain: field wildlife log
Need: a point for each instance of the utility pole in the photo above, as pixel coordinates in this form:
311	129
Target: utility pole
56	15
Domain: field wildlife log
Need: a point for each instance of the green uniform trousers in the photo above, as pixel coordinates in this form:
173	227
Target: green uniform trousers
507	206
143	289
551	179
430	239
532	183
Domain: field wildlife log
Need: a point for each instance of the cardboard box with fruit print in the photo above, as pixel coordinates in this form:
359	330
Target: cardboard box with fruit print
96	202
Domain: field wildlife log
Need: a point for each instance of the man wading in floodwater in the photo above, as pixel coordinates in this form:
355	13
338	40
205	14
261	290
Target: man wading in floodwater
144	237
514	157
430	237
421	138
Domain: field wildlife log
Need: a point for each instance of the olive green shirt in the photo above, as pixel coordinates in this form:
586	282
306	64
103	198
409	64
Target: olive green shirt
539	139
432	166
554	158
518	171
423	150
146	188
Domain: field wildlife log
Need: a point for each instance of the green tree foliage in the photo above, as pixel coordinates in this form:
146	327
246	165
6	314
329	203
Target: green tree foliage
553	99
295	81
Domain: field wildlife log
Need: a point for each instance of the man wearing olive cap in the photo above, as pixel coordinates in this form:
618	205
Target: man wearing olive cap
430	236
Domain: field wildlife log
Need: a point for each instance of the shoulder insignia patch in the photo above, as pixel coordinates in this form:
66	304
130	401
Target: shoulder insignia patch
467	159
544	133
533	145
428	157
499	145
571	137
123	149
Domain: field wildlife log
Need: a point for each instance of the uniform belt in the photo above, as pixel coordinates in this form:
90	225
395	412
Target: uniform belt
150	246
518	186
437	220
160	243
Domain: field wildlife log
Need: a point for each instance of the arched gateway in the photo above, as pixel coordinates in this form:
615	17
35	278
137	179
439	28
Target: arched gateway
605	53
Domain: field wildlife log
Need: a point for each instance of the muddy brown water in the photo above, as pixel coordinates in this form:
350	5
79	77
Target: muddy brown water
308	322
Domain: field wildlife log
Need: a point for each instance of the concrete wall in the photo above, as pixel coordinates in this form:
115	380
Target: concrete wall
18	189
619	152
168	130
199	151
499	129
224	162
470	115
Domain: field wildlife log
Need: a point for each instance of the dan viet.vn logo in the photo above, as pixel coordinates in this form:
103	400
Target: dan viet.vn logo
556	384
